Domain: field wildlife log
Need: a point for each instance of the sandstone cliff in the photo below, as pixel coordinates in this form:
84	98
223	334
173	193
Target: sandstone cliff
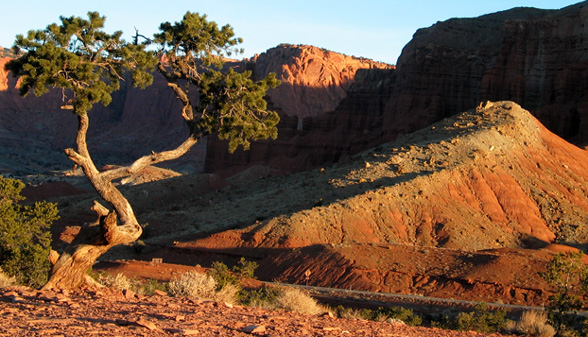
314	80
330	105
534	57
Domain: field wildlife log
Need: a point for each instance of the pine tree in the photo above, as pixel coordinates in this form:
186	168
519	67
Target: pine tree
87	64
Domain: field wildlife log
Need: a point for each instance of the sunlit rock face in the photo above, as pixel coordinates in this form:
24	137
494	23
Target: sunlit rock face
330	105
537	58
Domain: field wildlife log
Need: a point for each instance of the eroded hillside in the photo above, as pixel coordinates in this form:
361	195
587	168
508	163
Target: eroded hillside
472	200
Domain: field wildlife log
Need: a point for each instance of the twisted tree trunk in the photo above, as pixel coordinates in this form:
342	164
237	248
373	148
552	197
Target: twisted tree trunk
114	227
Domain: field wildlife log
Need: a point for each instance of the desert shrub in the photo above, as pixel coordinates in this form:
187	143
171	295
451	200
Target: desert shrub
222	275
296	300
347	312
193	284
228	294
481	319
25	240
246	268
533	323
396	313
149	287
5	280
265	297
118	281
569	276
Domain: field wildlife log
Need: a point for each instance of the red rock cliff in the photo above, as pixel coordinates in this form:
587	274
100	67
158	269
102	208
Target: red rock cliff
330	104
534	57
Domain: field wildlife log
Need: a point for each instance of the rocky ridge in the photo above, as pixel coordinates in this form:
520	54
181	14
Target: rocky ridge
478	198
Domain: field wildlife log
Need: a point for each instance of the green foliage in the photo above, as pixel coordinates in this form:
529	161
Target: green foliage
263	297
246	268
481	319
404	314
25	241
222	275
78	57
196	38
231	104
225	276
380	314
569	276
88	64
149	287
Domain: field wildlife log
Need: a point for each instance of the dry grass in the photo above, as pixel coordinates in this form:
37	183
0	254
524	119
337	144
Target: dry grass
193	284
119	281
227	294
298	301
533	323
5	280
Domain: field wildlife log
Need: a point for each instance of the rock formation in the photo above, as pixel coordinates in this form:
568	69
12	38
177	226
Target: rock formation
330	104
534	57
333	106
492	181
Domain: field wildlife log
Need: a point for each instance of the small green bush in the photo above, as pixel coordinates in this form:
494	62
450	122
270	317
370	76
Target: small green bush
225	276
25	240
347	312
246	268
265	297
222	275
404	314
481	319
149	287
569	276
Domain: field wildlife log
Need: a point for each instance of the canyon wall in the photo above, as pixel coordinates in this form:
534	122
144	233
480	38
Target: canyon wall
333	106
34	130
535	57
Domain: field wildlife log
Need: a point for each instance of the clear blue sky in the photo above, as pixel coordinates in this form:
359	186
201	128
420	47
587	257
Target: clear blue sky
376	29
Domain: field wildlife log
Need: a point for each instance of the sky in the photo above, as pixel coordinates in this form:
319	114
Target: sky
375	29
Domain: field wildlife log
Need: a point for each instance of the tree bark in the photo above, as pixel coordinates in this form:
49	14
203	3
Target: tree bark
69	272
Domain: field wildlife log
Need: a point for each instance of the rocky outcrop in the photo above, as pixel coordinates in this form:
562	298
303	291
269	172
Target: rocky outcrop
535	57
330	105
542	64
314	80
492	182
493	173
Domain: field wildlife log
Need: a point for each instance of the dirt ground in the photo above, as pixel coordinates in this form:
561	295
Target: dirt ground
106	312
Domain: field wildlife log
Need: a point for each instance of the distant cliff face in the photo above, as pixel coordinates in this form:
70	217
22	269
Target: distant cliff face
534	57
537	58
543	65
314	80
330	105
